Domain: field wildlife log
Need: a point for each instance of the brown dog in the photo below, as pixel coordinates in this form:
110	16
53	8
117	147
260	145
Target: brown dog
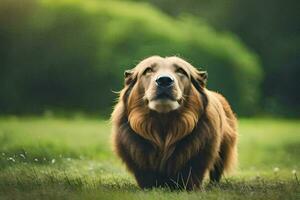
169	129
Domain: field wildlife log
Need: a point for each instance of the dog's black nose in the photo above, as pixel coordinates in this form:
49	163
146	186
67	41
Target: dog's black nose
164	81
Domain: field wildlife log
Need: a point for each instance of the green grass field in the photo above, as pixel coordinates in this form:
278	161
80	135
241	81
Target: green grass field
53	158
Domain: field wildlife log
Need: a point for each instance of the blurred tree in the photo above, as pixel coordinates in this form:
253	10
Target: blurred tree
271	28
70	55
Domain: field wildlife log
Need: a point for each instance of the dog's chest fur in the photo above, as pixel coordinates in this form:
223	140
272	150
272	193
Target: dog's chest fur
166	158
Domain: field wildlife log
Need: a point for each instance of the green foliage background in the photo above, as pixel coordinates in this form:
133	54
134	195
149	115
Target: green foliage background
270	28
70	55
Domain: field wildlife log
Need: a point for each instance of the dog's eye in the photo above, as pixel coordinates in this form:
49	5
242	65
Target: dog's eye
180	71
148	71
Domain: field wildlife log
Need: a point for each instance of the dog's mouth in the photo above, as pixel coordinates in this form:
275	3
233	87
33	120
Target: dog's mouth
164	93
164	102
164	96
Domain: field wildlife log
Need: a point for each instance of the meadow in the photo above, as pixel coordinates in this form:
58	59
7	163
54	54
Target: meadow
71	158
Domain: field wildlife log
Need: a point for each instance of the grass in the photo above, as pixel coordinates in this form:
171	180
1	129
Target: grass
50	158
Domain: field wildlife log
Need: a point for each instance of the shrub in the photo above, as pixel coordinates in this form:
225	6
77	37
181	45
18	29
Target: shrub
70	55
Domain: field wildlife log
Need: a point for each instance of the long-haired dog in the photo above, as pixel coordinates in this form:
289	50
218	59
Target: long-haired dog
169	129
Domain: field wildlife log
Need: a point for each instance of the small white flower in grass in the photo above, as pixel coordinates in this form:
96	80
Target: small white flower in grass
11	159
22	156
294	171
276	170
53	161
36	160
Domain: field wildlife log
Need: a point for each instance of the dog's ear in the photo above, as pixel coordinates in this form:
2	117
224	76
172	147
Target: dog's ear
128	73
129	76
203	76
199	79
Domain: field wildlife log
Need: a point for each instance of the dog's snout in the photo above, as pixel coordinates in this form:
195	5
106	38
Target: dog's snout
164	81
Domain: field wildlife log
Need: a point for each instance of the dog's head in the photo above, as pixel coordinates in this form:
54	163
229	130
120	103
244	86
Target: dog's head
164	84
162	94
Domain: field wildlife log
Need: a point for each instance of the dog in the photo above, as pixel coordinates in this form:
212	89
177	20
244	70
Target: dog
169	129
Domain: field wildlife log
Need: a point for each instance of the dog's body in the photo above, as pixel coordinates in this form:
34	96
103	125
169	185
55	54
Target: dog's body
171	132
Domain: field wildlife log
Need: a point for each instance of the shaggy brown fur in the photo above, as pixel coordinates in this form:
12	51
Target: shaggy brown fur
176	148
